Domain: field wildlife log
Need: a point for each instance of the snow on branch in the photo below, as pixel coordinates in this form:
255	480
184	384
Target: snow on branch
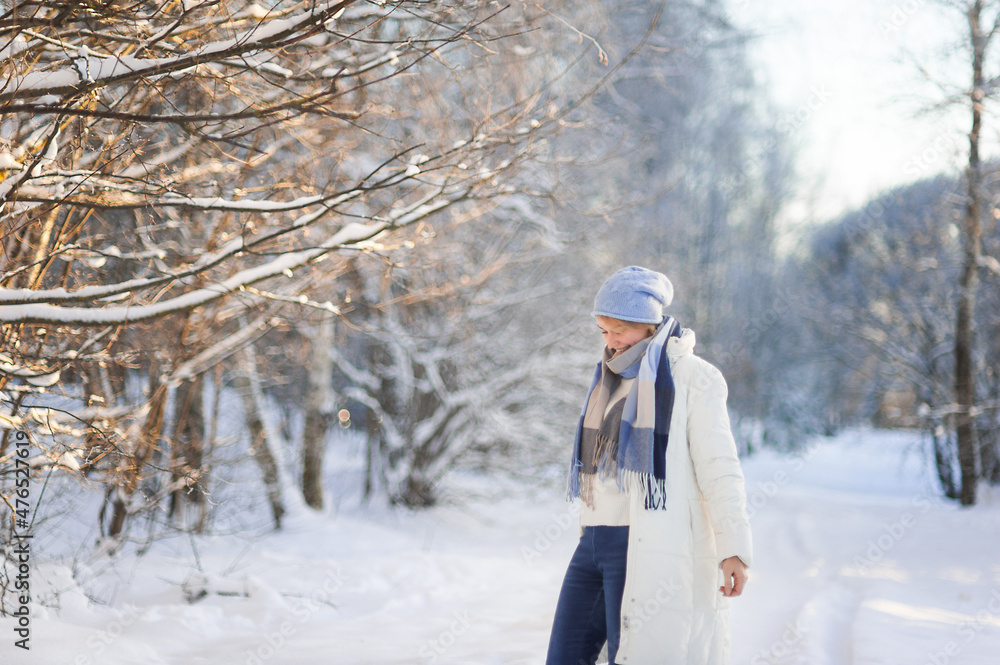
358	376
225	347
136	200
307	104
84	71
398	218
350	235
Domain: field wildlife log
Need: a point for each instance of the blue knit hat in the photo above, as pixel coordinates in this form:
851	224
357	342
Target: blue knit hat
634	294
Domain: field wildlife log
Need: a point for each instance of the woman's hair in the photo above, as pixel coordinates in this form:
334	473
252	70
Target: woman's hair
649	327
633	325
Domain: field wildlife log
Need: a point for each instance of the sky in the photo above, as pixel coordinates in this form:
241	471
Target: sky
846	82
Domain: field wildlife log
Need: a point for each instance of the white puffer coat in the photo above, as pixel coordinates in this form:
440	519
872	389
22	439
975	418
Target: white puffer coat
672	610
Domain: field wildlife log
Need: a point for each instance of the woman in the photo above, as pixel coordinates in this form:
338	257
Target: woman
665	538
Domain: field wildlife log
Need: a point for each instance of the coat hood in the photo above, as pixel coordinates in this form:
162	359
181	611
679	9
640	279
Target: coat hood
678	347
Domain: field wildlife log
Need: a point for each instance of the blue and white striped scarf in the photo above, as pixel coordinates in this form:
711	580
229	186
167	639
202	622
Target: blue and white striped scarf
640	456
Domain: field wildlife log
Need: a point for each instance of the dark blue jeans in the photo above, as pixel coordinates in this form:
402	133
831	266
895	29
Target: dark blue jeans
590	603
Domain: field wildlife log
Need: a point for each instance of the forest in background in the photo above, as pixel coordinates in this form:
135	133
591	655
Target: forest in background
391	218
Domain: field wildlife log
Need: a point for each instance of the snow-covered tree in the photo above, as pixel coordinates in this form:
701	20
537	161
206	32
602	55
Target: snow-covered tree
971	27
877	288
177	174
449	353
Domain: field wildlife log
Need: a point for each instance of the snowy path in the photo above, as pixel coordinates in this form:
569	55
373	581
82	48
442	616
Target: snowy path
857	562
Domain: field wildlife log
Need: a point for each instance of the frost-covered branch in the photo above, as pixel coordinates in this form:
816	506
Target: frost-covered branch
350	235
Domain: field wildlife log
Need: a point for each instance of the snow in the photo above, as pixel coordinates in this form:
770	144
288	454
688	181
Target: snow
13	47
861	562
857	561
32	376
8	162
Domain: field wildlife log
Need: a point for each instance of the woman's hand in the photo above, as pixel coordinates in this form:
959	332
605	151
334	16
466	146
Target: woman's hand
735	572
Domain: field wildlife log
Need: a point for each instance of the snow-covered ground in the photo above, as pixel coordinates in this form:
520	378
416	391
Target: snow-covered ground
857	561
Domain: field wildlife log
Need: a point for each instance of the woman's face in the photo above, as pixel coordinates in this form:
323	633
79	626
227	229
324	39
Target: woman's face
620	335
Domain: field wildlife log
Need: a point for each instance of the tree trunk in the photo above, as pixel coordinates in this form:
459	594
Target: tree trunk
249	387
93	441
319	410
373	453
989	456
965	371
943	459
131	465
187	455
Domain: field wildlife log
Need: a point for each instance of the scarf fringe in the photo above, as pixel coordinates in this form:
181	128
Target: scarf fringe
587	489
654	490
606	455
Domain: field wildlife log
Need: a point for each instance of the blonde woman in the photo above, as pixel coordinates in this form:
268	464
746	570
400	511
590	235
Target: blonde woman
665	539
